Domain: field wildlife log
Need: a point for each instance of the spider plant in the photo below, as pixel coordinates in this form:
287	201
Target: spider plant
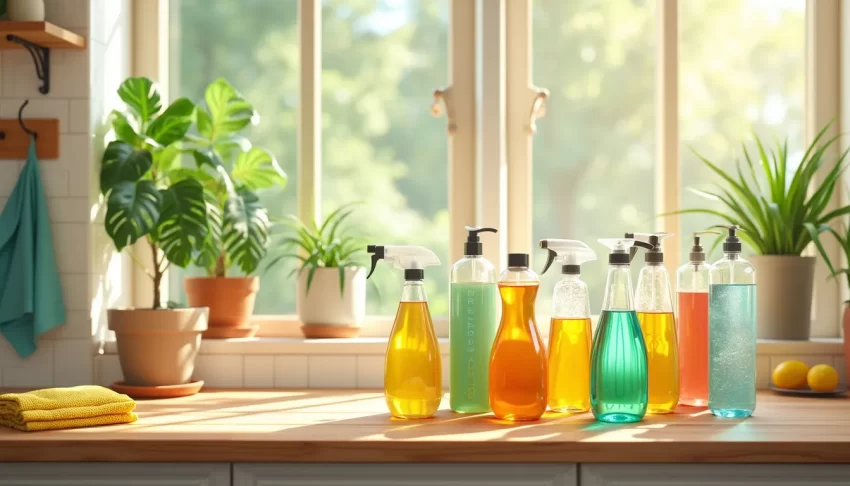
776	211
328	244
843	237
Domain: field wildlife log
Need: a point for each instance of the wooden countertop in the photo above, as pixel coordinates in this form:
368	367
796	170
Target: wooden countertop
354	426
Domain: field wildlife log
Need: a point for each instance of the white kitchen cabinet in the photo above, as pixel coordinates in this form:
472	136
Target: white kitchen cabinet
714	475
404	475
113	474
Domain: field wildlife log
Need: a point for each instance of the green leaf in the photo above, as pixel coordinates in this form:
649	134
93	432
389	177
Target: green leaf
183	221
171	126
166	160
142	96
122	163
341	280
205	123
123	129
814	232
211	246
229	111
246	230
132	211
257	169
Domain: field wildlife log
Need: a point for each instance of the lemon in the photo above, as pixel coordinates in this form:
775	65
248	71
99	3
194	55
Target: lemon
790	374
822	378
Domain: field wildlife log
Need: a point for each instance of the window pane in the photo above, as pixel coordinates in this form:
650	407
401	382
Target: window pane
256	49
382	61
594	152
742	68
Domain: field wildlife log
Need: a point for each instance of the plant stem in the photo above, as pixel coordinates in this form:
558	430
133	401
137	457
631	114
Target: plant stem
157	275
220	267
139	262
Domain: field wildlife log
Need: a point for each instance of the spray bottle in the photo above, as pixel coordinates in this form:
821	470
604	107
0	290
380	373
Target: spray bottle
654	305
618	374
692	288
732	333
412	370
569	332
474	321
518	362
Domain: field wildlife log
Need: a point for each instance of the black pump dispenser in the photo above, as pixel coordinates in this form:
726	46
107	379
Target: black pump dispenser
697	252
473	246
732	244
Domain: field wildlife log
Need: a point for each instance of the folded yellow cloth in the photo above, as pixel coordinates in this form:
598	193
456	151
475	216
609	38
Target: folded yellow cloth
65	408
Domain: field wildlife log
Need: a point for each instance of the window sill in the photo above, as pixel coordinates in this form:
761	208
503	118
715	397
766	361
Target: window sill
378	345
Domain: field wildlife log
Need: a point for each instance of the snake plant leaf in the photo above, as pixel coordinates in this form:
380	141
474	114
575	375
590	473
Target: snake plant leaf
229	112
182	222
173	123
246	230
132	211
257	169
142	96
122	163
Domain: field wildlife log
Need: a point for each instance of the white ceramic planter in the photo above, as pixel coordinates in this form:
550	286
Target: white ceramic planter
323	308
25	10
784	286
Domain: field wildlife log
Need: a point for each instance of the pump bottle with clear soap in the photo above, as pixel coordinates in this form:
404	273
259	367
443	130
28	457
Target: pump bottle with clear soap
654	305
618	376
569	331
412	371
473	325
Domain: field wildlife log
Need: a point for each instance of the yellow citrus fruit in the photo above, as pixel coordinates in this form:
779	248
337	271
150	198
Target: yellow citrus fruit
822	378
790	374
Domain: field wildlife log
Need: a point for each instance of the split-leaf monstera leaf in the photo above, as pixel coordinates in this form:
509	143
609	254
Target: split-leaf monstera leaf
140	177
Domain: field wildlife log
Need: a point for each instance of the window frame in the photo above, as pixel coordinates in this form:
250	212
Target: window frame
490	115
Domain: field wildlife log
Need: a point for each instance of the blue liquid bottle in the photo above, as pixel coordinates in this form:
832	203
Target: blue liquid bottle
732	333
618	366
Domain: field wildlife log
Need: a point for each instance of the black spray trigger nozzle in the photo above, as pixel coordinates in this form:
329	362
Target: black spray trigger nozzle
550	258
641	244
377	252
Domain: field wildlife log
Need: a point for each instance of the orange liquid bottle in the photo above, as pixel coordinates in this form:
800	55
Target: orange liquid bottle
692	283
518	368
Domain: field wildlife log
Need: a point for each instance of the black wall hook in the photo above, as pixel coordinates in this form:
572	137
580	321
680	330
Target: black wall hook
21	121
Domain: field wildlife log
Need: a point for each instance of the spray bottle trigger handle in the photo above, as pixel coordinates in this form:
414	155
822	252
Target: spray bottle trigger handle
377	254
549	260
641	244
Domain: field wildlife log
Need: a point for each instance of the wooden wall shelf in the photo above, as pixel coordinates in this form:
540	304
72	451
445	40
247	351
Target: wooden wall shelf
39	38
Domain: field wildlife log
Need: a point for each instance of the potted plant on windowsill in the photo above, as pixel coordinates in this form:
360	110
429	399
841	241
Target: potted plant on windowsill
843	237
231	172
780	214
331	284
148	199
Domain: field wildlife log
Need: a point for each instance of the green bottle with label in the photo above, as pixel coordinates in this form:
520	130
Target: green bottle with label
474	322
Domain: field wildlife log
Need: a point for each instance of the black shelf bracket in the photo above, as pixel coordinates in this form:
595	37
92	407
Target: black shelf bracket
41	59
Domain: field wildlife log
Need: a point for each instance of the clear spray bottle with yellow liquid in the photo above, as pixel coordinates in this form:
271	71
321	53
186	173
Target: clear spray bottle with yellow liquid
654	305
412	370
570	332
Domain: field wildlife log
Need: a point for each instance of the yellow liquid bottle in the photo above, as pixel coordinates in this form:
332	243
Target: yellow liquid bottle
413	373
569	365
659	333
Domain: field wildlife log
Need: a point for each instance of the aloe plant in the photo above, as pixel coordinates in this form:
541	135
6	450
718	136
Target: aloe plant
779	212
324	245
140	177
231	171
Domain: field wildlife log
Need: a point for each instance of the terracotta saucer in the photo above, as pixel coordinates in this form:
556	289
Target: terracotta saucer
165	391
225	332
324	331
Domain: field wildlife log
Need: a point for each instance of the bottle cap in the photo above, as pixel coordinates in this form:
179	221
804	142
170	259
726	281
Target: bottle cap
518	259
473	243
697	252
732	244
414	274
654	255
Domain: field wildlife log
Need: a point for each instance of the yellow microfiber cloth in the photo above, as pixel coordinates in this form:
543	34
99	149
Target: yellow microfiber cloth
65	408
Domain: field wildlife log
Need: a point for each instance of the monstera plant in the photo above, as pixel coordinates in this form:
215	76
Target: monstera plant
149	198
231	171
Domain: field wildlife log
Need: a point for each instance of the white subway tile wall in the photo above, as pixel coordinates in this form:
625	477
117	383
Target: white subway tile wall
80	81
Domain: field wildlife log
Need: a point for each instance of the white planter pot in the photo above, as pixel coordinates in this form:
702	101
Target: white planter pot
324	307
784	286
25	10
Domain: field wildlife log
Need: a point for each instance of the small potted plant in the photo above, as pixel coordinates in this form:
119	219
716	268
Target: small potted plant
231	172
331	285
148	198
780	213
843	237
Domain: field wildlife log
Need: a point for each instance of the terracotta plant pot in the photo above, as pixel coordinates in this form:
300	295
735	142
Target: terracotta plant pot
323	312
231	303
784	286
847	341
157	347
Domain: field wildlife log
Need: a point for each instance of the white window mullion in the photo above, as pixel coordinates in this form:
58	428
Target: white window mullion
823	95
310	110
667	192
492	170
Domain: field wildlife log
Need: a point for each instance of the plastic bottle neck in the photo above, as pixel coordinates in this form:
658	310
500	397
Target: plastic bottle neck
732	256
618	289
414	291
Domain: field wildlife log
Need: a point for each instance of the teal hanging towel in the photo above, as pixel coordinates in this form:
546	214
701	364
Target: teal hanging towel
30	294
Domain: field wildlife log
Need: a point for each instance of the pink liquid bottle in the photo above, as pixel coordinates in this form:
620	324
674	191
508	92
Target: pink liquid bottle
692	293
